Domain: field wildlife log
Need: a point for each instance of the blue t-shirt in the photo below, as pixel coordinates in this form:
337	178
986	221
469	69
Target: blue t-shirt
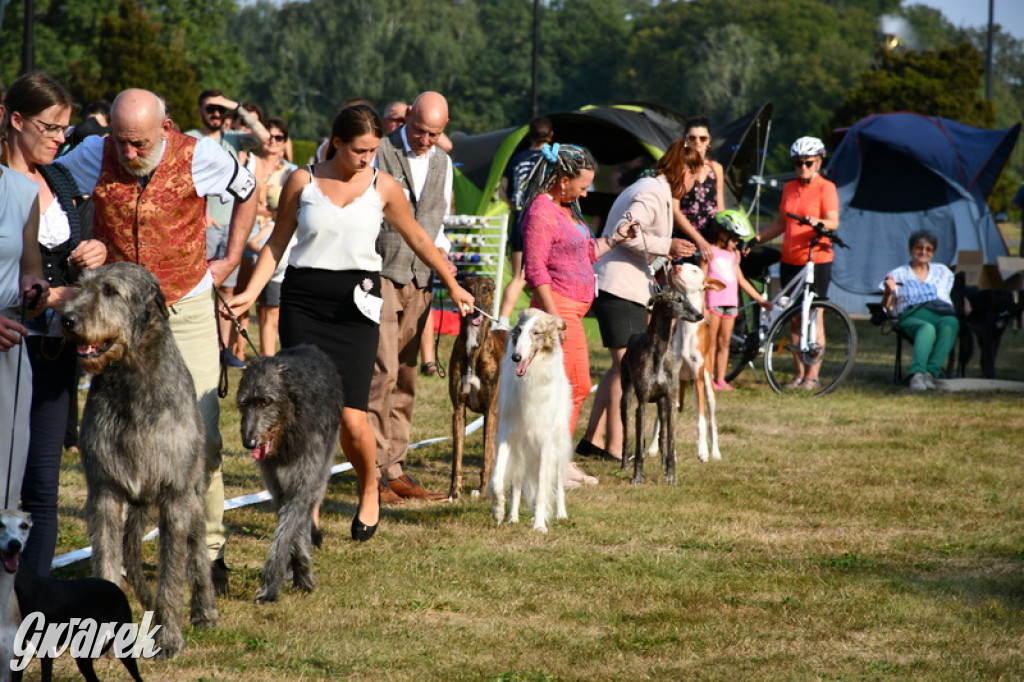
518	170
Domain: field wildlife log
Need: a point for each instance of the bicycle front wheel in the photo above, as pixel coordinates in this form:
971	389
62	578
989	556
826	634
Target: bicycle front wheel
835	347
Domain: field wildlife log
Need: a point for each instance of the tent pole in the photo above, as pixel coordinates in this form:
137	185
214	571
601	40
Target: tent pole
536	60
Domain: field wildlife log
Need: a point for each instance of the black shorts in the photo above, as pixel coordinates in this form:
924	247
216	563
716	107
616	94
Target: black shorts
618	319
822	278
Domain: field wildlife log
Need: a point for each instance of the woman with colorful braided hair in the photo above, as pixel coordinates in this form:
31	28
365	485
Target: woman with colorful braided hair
559	252
701	193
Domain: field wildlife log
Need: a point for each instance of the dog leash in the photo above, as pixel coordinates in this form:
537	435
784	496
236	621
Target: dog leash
495	321
651	270
17	392
222	384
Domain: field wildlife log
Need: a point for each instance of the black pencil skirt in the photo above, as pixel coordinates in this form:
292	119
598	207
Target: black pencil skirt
317	307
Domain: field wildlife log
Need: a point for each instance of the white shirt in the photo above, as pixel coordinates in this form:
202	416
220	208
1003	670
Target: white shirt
418	166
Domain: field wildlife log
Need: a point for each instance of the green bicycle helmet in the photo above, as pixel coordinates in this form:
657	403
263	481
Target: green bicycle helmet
735	223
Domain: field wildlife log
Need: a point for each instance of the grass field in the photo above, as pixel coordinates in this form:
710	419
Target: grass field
867	535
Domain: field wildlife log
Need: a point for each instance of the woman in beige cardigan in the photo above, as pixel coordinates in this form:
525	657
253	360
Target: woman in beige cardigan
624	286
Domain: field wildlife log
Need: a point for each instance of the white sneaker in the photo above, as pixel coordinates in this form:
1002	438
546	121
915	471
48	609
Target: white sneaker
918	382
929	382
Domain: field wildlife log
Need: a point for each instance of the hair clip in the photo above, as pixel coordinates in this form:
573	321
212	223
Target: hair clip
550	152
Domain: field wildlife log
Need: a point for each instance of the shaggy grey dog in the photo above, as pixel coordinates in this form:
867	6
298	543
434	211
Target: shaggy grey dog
290	405
142	442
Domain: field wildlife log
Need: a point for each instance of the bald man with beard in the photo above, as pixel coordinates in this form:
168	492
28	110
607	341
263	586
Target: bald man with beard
411	155
149	185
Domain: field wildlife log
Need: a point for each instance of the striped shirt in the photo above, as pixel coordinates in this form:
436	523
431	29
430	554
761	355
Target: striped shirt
936	286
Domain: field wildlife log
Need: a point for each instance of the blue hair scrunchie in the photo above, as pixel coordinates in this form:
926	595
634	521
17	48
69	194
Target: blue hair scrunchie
550	152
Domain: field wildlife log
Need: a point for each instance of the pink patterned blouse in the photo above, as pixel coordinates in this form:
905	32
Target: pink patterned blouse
558	251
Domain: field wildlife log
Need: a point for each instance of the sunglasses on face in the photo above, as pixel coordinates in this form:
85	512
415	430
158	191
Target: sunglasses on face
803	164
215	109
278	137
927	248
698	138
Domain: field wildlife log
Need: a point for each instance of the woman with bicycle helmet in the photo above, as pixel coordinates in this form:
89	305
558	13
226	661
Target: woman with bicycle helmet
812	196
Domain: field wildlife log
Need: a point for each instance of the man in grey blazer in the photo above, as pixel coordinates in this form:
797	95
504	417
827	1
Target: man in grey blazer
412	156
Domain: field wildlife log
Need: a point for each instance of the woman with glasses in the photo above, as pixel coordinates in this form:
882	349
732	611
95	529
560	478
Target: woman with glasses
36	112
703	193
918	294
271	170
812	196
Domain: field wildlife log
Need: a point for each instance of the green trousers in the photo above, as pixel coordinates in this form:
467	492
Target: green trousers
934	337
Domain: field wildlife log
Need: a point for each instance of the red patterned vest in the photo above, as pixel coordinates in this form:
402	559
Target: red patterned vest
163	227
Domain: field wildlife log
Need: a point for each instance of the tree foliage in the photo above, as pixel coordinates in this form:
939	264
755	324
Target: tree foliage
945	82
815	60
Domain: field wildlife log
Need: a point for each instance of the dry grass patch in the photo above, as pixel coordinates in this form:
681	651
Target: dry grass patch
867	535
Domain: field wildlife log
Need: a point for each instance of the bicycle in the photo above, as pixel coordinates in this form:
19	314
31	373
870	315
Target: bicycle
827	338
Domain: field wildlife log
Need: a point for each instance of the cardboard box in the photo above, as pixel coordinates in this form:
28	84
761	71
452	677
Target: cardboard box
1011	270
1008	273
976	272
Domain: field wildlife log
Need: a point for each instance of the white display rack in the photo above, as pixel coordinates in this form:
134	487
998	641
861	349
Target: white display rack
478	247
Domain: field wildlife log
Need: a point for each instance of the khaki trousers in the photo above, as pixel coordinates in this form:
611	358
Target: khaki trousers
194	326
393	389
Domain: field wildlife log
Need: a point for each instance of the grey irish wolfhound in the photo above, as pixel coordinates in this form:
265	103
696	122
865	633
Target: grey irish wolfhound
290	405
142	443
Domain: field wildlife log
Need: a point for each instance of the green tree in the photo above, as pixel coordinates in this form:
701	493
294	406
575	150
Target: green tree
133	57
945	83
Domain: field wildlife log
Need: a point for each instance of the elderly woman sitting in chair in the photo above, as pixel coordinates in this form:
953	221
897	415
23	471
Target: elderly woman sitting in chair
918	296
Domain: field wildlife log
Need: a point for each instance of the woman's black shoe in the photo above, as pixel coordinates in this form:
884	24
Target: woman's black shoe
587	449
360	531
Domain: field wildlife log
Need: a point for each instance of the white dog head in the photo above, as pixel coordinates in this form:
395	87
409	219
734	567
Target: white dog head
535	332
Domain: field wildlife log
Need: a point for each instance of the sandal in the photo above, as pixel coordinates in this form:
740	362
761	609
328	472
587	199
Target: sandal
431	369
795	383
811	385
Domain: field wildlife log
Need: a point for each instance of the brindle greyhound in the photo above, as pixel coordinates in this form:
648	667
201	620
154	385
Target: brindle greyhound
473	374
650	374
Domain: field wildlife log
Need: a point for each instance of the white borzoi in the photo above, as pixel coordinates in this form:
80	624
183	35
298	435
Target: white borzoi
534	405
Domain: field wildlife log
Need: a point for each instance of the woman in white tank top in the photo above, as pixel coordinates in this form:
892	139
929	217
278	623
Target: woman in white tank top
330	295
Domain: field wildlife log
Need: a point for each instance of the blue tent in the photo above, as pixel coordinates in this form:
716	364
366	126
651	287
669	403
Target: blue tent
901	172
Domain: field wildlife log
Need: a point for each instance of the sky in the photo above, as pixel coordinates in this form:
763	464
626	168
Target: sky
974	13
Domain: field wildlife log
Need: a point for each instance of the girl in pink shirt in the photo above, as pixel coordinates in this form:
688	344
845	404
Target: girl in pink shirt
722	303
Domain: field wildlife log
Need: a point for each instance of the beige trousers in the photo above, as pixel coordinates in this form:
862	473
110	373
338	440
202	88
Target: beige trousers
194	326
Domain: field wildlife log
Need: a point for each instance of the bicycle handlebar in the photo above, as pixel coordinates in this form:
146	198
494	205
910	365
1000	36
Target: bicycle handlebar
820	229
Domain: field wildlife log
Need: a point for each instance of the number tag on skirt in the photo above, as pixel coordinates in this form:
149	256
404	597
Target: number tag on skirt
368	304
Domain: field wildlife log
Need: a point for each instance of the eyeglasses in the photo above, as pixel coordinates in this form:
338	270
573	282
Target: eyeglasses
928	248
216	109
803	164
698	138
278	138
47	130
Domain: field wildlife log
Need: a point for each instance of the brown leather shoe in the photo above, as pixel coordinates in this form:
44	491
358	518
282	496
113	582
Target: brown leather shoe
403	486
387	495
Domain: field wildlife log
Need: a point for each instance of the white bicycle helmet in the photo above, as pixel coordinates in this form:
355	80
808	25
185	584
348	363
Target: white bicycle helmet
807	146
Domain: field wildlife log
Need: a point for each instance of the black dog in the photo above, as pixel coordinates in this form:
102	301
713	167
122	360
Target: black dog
60	601
992	310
